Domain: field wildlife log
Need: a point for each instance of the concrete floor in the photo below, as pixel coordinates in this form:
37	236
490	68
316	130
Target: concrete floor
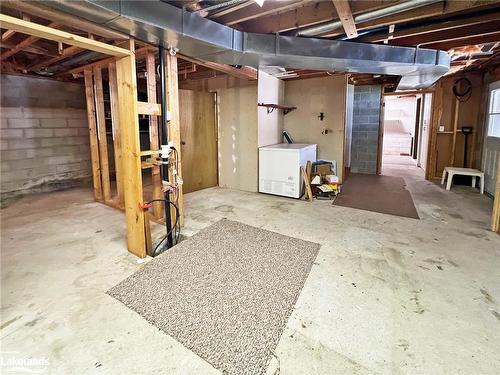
386	295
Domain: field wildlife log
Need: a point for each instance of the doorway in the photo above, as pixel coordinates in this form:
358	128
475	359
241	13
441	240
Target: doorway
491	152
405	129
198	127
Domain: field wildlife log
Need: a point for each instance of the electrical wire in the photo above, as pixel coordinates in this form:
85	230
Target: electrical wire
176	223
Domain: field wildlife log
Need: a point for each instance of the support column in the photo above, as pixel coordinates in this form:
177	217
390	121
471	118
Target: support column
129	118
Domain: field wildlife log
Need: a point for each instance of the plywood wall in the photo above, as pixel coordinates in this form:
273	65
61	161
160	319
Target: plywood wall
447	146
312	96
238	137
198	140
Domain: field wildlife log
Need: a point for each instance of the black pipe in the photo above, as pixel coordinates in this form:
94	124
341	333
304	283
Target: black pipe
164	141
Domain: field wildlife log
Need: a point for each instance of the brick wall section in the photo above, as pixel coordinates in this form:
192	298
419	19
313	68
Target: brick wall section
365	127
44	135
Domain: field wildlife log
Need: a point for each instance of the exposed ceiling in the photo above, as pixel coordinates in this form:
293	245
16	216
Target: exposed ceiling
468	30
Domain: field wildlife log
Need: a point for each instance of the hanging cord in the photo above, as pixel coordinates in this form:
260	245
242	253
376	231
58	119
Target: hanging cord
176	223
465	94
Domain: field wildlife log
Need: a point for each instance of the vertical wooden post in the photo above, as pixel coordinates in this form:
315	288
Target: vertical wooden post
455	129
117	142
437	112
101	132
94	148
174	124
153	133
129	117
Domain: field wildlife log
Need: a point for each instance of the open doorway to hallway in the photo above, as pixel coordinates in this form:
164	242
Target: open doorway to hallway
405	133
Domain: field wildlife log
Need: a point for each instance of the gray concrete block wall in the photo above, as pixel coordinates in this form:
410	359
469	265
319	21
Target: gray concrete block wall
365	127
44	137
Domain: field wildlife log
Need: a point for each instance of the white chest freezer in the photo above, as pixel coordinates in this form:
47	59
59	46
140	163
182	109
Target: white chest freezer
279	168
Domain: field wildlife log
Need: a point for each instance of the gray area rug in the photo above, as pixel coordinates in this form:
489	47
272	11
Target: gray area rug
225	293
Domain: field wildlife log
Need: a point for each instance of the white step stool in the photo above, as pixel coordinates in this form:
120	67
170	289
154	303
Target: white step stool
451	171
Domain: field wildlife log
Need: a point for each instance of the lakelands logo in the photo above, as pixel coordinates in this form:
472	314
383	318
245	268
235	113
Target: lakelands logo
15	362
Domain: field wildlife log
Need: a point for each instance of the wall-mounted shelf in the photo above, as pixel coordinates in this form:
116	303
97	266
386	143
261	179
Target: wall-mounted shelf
272	107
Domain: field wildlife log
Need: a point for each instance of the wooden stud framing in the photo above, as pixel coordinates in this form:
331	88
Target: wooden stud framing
115	123
101	134
455	129
437	112
94	148
153	132
40	31
174	124
129	118
148	108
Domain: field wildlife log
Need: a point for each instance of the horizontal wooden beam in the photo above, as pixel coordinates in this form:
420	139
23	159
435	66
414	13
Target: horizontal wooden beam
141	52
244	72
467	31
145	108
44	32
253	11
67	52
425	12
308	14
30	49
24	43
450	43
38	9
345	15
434	26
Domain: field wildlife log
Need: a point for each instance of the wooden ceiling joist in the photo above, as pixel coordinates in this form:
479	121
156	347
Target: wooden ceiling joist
24	44
344	12
40	31
79	23
484	28
434	26
253	11
30	49
67	52
243	72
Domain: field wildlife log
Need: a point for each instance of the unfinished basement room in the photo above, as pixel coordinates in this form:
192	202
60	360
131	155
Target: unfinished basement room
250	187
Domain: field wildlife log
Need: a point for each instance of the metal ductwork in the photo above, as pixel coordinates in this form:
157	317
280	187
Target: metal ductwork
160	23
365	17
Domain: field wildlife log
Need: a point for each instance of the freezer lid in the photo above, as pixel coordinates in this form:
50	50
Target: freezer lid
288	146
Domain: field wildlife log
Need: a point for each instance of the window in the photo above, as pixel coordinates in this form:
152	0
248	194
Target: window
494	114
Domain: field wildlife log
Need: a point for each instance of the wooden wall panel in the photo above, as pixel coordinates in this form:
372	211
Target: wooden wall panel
199	140
447	147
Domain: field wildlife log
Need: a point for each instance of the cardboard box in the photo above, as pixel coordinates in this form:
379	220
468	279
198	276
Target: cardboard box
324	169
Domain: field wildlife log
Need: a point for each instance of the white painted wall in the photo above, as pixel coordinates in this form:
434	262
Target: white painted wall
312	96
270	125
